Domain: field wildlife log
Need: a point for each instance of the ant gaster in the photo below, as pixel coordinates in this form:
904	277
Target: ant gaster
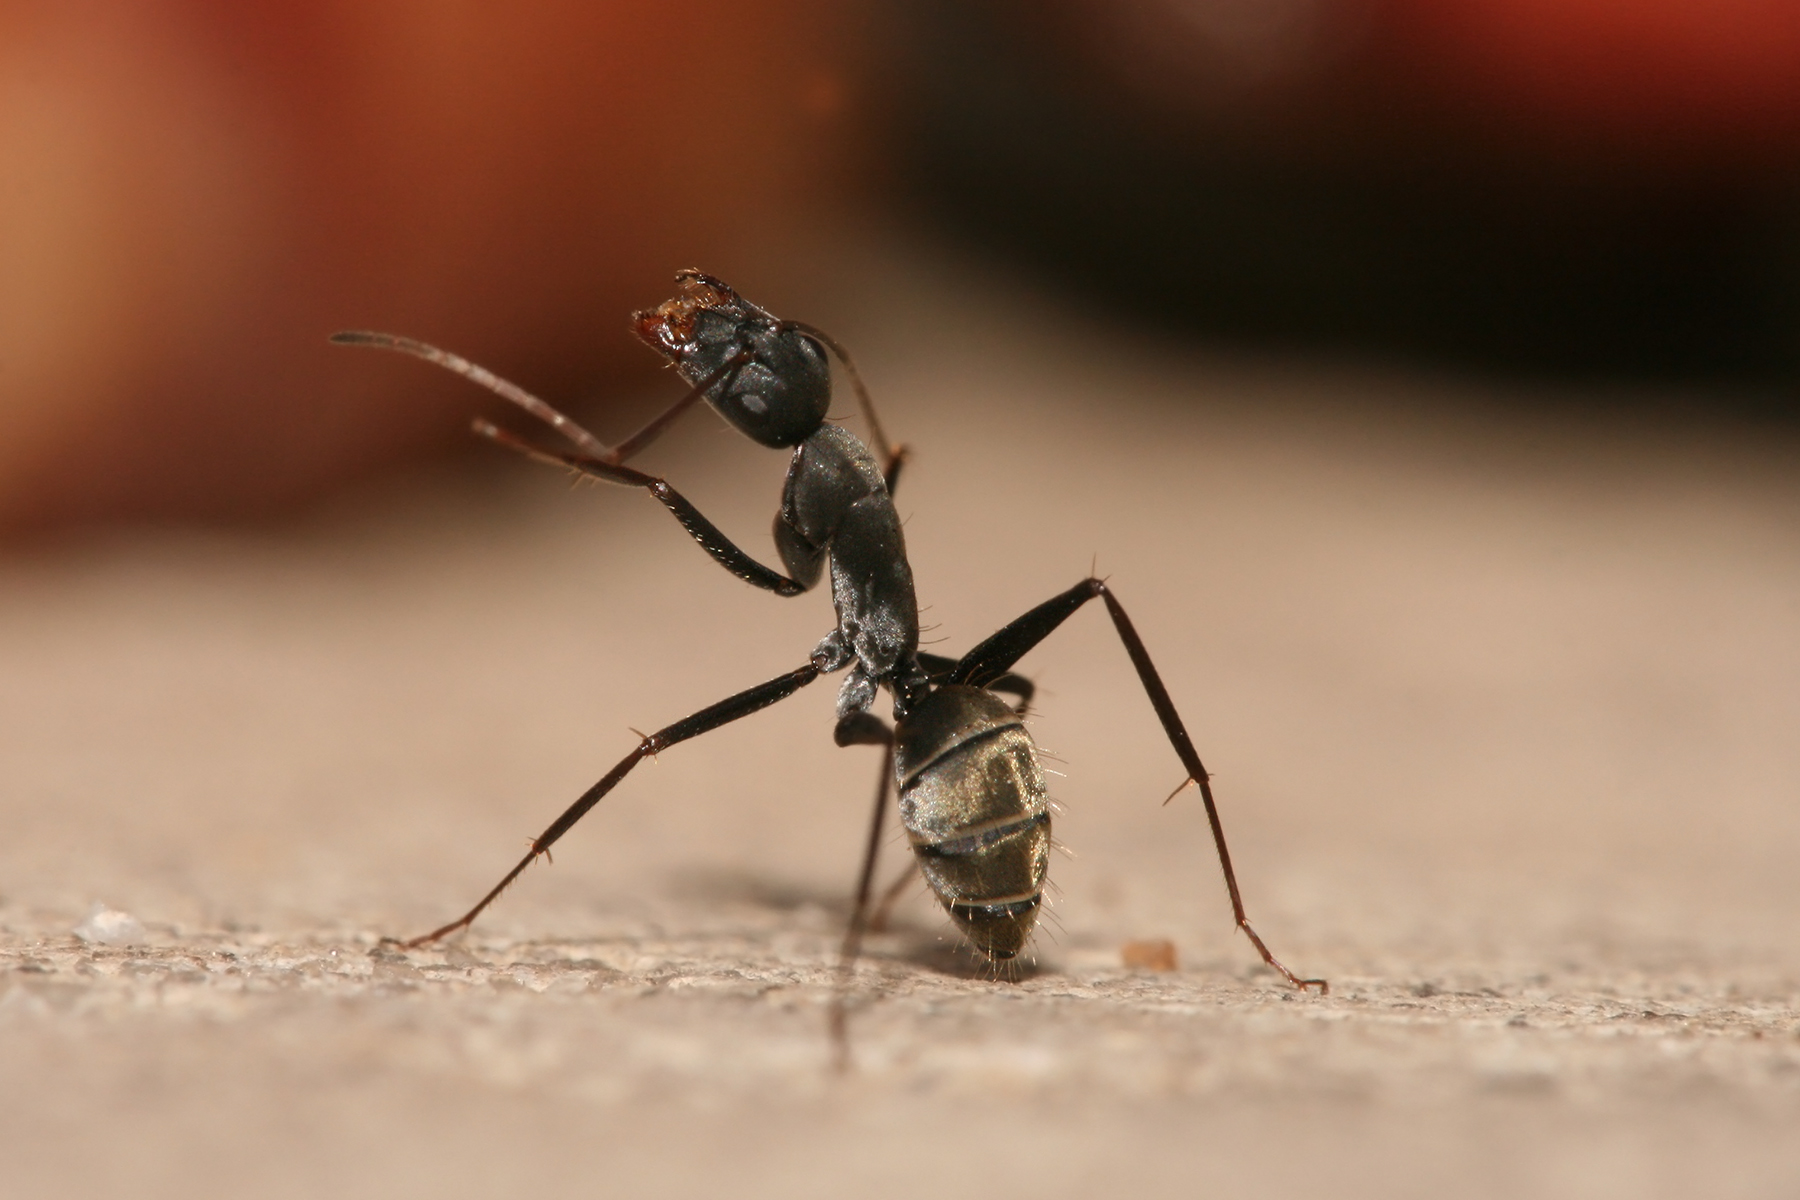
971	794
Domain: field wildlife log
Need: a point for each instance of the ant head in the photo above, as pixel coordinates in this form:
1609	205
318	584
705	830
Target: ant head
776	384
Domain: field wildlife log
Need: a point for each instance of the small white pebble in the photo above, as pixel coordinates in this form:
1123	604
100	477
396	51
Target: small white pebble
110	927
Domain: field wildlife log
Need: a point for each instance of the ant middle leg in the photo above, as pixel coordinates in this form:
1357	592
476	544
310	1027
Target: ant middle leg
707	719
993	659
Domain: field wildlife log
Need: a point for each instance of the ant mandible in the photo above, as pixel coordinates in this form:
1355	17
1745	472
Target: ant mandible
972	796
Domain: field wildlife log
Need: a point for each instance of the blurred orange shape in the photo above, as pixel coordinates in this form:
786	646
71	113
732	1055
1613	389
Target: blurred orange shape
193	194
1157	954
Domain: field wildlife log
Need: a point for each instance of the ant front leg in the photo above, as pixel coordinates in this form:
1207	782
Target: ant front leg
722	549
993	658
595	457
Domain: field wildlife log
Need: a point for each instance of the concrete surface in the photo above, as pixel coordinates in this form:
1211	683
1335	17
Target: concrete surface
1500	705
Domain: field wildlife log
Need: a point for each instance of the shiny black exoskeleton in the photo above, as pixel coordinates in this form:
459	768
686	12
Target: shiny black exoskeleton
772	381
972	795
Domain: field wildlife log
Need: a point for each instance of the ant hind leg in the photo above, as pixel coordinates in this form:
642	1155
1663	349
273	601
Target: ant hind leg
993	659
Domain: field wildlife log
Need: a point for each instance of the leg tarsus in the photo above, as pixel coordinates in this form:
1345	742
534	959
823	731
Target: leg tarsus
1274	963
468	918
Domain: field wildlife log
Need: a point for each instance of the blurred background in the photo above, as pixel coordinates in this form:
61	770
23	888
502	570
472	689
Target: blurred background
1421	372
194	194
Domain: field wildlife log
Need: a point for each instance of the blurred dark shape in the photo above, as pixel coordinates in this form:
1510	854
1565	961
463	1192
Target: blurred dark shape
194	194
1590	189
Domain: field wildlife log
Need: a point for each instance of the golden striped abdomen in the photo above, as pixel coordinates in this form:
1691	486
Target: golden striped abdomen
973	801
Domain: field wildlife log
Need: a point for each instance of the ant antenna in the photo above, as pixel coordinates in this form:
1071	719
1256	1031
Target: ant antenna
482	377
584	441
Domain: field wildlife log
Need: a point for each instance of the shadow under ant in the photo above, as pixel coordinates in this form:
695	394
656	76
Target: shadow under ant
905	940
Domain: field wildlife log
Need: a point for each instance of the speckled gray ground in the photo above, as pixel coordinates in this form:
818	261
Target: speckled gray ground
1500	705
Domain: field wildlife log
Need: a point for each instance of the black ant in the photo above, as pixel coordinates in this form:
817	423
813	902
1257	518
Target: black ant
972	796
